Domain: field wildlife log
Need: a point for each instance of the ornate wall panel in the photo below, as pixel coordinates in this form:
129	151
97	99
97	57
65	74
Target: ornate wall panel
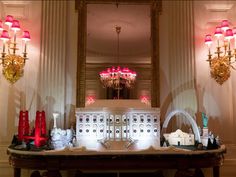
18	9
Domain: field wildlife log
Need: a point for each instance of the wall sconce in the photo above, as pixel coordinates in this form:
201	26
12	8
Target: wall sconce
221	61
13	64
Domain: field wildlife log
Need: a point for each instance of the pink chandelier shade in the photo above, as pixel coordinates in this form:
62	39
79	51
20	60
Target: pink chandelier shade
208	40
5	35
118	77
114	77
221	31
224	25
9	20
229	34
15	25
26	36
218	32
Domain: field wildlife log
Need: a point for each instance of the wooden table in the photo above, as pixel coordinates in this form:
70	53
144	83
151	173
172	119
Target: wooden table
165	158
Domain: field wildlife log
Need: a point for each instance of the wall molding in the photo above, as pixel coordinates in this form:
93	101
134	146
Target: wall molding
18	9
218	7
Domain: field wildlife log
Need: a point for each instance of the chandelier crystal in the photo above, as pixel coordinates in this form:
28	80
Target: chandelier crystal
221	62
12	64
118	77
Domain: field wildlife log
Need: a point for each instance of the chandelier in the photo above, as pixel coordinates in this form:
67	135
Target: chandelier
13	64
118	77
221	60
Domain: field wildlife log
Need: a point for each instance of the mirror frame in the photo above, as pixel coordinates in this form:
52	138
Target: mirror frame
155	10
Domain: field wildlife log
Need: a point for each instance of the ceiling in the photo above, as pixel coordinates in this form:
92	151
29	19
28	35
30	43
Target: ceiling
134	37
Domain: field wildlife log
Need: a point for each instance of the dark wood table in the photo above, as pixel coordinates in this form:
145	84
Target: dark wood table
152	160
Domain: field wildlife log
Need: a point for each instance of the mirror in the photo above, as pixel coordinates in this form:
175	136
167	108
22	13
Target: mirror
97	46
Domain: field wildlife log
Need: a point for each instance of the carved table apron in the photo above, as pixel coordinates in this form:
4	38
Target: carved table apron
165	158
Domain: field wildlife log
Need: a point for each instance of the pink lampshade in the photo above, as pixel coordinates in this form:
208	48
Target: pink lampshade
218	32
118	69
125	70
26	36
225	25
15	25
113	69
229	34
208	40
1	25
9	20
5	35
234	31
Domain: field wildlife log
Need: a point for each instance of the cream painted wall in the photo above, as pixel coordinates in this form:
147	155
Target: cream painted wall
217	101
21	95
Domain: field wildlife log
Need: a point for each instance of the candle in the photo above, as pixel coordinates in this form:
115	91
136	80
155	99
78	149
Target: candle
208	42
218	34
229	35
4	37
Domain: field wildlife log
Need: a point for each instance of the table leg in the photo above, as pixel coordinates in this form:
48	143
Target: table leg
158	173
184	173
53	173
17	172
216	171
35	174
79	174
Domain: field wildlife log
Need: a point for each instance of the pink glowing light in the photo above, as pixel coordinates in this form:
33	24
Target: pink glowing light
40	129
225	25
116	76
9	20
26	36
4	36
90	100
208	40
15	25
229	34
145	99
218	32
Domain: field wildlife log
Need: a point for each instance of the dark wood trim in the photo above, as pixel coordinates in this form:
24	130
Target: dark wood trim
116	2
155	80
81	54
181	161
17	172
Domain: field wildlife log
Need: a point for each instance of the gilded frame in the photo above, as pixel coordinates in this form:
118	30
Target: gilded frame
155	8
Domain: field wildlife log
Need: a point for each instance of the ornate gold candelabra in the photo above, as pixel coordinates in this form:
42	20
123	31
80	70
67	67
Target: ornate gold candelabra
221	61
13	64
